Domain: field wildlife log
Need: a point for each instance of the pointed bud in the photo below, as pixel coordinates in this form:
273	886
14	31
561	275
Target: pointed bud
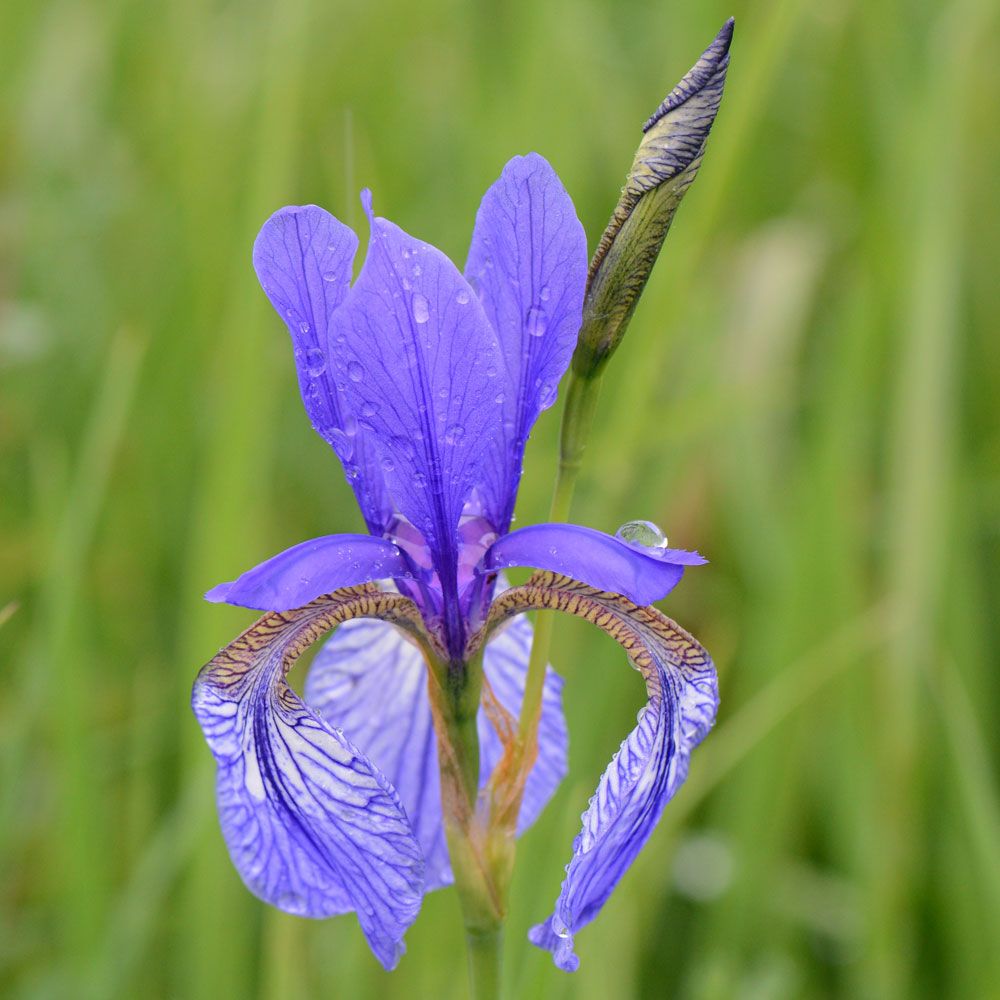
665	164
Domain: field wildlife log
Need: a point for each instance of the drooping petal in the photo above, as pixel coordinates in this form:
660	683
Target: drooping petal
303	258
651	764
642	574
418	360
371	681
528	261
312	826
305	571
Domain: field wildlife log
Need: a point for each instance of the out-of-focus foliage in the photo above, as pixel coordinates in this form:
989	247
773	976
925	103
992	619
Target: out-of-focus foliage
808	394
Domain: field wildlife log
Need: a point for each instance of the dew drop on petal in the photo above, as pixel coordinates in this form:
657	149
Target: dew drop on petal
419	480
537	322
315	362
355	371
544	293
454	434
491	372
304	326
369	408
642	534
547	395
291	902
342	444
330	276
462	298
402	446
420	310
387	464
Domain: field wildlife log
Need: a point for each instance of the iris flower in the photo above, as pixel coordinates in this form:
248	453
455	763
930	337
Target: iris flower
426	382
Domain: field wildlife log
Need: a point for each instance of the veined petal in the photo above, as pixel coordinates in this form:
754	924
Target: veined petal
303	257
528	261
305	571
370	680
312	826
642	574
418	360
651	764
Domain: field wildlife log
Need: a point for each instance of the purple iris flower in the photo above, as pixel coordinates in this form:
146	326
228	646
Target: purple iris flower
426	383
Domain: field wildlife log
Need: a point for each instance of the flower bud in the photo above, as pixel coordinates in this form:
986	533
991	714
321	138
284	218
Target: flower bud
665	164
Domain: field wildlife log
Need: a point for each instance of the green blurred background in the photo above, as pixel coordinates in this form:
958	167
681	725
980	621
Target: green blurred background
808	394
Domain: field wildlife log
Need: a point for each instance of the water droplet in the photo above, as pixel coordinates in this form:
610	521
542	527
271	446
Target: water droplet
387	464
304	327
403	446
315	362
498	398
454	434
355	371
491	372
642	534
553	551
368	408
544	293
407	284
419	480
537	322
329	275
342	444
291	902
420	311
417	270
547	395
462	298
350	425
443	393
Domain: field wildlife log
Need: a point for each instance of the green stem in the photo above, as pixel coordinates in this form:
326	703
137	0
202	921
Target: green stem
577	419
484	950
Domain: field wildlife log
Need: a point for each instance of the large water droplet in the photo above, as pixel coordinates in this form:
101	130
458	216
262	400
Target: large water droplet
642	534
315	362
547	395
454	434
544	293
387	464
330	276
343	445
537	321
462	298
355	371
420	310
368	408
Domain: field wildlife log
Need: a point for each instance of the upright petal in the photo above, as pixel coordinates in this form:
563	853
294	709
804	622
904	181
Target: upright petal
303	258
418	360
305	571
642	574
312	826
528	261
651	764
370	680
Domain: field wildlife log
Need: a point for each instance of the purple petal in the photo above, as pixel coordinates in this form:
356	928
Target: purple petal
370	680
303	258
418	361
651	764
642	574
528	260
311	825
307	570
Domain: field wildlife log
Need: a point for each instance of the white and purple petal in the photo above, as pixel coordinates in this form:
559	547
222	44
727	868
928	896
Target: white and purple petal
651	763
643	574
303	257
306	571
370	680
312	826
528	262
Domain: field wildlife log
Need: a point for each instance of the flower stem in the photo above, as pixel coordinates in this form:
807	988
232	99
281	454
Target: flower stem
484	949
578	417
